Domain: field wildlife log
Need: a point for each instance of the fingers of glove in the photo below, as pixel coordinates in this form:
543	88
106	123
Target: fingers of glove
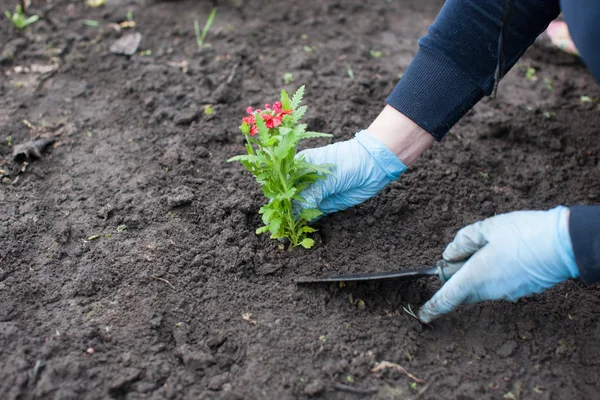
466	242
350	198
463	288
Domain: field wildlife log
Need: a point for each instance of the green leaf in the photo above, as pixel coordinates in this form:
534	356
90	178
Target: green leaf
287	143
252	158
286	103
262	229
299	113
287	195
245	128
308	135
307	243
275	226
263	131
309	214
307	229
297	99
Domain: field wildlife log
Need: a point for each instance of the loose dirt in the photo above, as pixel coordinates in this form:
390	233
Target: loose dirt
187	302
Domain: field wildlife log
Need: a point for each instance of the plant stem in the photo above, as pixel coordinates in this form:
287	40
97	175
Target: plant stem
288	203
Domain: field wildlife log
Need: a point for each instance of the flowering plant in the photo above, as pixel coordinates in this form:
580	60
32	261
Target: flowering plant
272	137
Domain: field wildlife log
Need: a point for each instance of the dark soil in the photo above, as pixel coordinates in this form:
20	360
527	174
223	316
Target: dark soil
155	311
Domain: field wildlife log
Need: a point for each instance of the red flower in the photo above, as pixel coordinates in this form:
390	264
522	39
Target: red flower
272	115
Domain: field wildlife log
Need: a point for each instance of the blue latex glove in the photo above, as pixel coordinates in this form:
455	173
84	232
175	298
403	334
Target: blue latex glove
363	167
512	255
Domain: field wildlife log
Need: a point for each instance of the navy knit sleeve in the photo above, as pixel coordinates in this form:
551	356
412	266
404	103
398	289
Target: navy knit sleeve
583	16
454	67
584	228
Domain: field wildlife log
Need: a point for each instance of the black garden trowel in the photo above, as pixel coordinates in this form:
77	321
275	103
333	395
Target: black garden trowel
442	269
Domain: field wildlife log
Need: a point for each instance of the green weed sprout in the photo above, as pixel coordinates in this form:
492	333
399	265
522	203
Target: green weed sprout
19	19
201	36
272	137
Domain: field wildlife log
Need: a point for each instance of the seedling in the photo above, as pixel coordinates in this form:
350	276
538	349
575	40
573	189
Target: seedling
91	22
376	53
350	72
350	379
288	78
548	83
585	99
19	19
410	311
201	36
96	3
272	137
208	109
530	74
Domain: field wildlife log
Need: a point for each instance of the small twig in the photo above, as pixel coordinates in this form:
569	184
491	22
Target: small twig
386	364
232	74
165	281
346	388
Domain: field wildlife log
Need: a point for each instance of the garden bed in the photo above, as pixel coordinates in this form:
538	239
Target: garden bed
129	266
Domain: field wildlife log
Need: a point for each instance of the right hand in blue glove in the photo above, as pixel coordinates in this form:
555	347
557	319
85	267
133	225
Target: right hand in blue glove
511	255
363	167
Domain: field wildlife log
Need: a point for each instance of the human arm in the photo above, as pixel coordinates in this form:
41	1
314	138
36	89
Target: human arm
582	18
453	70
519	254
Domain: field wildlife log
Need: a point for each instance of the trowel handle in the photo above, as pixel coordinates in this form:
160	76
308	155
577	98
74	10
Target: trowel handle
446	269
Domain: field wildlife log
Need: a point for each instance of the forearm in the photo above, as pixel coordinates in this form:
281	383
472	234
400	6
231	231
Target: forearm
454	67
402	136
582	17
584	229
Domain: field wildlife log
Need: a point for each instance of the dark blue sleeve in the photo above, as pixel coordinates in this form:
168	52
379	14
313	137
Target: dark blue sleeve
583	19
455	64
584	228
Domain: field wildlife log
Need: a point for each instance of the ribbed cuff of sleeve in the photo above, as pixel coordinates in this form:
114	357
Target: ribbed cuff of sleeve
584	228
434	93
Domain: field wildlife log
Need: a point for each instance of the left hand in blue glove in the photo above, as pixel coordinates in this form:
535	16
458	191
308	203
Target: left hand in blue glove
511	255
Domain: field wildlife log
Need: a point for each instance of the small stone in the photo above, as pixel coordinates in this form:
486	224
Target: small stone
182	196
217	382
195	359
507	349
314	388
186	117
127	45
267	269
11	49
90	350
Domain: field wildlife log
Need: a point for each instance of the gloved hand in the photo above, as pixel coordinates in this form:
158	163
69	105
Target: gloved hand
512	255
363	167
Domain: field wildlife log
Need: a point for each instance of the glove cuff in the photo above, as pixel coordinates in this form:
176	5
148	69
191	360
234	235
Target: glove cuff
383	156
565	245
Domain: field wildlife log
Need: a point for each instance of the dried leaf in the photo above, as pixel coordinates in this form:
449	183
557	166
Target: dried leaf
247	316
386	364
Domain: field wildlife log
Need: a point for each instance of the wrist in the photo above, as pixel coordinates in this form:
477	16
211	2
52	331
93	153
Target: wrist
565	245
401	135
